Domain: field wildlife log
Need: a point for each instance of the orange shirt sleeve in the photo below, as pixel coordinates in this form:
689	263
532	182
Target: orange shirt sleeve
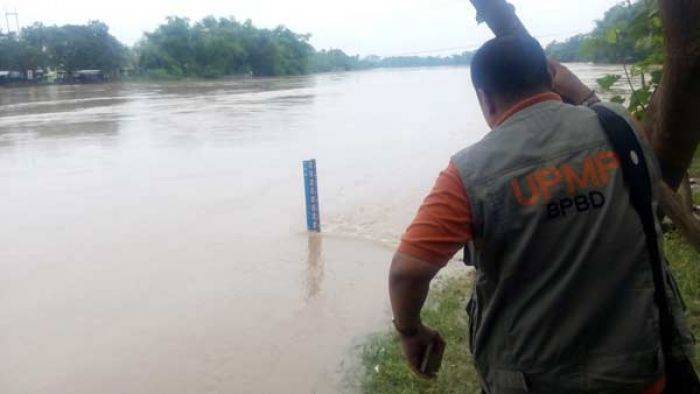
443	224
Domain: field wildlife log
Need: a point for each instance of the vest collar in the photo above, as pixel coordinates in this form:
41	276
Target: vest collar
528	102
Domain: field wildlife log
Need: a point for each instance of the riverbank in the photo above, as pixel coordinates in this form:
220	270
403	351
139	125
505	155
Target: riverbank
383	369
160	76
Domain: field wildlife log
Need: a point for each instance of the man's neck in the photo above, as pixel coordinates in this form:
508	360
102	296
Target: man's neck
529	101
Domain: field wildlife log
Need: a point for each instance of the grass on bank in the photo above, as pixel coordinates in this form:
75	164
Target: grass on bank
384	369
685	262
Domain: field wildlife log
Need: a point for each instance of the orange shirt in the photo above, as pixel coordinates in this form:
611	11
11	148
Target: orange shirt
443	223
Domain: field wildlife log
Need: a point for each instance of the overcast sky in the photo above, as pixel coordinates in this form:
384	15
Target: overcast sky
383	27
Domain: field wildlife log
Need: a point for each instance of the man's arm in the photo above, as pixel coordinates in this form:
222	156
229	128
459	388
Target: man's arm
440	229
409	282
566	84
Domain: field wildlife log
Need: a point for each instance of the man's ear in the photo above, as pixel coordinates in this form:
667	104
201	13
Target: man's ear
488	106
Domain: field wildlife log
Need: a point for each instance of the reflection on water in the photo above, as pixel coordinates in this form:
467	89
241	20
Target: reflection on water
314	273
158	245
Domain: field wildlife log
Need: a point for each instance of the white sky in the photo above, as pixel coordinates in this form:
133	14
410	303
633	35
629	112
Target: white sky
382	27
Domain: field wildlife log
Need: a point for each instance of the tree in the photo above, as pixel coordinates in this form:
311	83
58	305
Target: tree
169	47
569	50
214	48
219	48
19	55
628	33
334	60
67	48
76	47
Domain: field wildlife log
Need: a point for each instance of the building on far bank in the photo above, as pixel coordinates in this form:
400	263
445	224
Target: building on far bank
7	76
39	76
86	76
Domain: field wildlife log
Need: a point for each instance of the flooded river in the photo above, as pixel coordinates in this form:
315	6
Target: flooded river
153	235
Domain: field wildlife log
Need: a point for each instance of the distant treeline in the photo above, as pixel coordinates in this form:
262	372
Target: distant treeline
210	48
628	33
337	60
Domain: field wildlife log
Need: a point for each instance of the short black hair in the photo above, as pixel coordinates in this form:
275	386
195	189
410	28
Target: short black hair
511	67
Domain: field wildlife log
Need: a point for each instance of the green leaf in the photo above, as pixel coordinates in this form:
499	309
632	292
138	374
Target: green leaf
656	76
611	36
639	100
618	100
608	81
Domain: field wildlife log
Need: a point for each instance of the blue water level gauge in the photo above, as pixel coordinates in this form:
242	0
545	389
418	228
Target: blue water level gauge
313	212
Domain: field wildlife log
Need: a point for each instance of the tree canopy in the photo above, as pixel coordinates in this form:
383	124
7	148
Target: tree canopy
628	33
68	48
219	47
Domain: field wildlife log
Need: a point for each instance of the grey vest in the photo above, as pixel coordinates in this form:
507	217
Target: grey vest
563	299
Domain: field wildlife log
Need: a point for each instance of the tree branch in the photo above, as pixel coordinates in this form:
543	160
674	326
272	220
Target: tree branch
672	205
500	16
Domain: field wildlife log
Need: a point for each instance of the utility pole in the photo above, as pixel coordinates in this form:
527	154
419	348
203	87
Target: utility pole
7	21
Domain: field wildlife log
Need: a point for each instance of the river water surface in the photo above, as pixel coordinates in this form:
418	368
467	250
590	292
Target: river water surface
153	235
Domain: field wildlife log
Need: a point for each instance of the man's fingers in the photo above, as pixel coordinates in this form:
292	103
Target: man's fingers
415	367
423	375
414	356
417	351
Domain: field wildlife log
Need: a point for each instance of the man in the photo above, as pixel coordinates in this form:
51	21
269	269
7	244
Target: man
563	299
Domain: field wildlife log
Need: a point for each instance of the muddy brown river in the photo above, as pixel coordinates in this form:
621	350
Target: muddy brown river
153	235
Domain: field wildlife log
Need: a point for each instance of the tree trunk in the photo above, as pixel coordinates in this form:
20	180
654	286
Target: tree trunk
685	192
675	123
672	204
673	118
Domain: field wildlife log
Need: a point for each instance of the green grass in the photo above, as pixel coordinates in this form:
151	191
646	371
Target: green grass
694	170
685	262
383	369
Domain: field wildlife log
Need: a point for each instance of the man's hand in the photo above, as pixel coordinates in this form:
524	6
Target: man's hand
568	85
409	282
424	350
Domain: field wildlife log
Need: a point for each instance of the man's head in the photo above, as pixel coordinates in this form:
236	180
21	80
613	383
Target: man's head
507	70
